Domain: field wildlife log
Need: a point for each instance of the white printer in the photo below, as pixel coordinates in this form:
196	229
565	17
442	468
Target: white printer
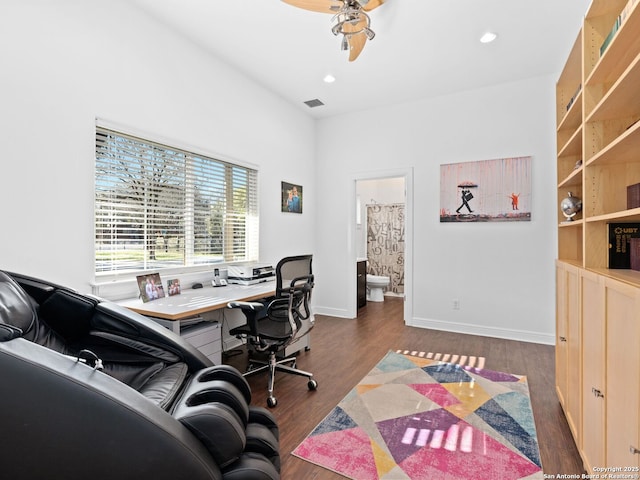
250	274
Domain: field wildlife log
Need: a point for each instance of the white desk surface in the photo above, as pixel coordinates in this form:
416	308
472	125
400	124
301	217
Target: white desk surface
193	302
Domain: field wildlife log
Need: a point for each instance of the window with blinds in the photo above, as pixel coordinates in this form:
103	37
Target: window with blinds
159	207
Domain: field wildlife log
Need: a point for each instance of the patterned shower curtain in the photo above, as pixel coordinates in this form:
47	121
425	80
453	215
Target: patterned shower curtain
385	243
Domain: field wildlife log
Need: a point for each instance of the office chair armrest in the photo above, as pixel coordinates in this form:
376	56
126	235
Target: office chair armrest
304	279
302	290
251	311
252	306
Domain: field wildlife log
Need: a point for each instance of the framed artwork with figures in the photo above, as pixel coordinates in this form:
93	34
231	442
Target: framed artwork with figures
150	287
291	198
486	191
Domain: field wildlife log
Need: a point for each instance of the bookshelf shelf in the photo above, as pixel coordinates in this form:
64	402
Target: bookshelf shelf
569	91
598	25
575	224
622	99
632	215
623	149
573	179
627	276
573	118
573	145
617	55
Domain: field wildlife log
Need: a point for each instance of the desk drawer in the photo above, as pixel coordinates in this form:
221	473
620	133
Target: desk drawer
210	349
301	343
201	334
206	337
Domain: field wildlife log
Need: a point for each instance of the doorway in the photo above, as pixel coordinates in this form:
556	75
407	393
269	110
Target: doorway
382	233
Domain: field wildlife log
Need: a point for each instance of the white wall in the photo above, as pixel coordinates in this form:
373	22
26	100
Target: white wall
501	273
67	62
63	64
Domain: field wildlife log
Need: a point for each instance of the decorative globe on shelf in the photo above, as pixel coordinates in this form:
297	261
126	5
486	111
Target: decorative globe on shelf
570	207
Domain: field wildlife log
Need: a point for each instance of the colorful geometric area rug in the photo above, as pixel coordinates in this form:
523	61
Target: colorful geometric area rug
416	418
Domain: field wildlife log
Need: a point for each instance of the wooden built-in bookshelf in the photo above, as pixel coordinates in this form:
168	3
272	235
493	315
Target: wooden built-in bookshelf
597	307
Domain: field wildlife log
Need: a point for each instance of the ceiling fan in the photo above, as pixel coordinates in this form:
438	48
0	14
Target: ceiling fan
350	19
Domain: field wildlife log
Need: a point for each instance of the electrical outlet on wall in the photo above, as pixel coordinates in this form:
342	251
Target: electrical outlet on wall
456	304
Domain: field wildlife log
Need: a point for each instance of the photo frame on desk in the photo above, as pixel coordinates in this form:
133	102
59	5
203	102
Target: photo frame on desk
150	287
173	287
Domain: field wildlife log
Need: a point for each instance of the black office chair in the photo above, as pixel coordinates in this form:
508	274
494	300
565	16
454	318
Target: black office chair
285	319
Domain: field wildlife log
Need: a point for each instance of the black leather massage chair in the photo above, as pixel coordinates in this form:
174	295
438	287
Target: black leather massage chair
90	390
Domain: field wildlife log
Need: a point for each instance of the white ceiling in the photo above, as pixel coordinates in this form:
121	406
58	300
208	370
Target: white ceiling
422	48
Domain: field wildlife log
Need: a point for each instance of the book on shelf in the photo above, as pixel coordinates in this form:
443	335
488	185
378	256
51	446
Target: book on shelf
633	196
627	10
574	96
620	235
624	14
635	253
612	33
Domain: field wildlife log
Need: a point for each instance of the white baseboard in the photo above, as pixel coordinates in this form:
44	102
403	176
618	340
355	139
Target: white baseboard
331	312
485	331
459	327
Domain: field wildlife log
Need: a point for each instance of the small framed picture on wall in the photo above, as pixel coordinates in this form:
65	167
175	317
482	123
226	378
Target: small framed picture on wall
291	198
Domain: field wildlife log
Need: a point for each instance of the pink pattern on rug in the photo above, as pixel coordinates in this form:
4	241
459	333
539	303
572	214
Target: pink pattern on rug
487	460
345	451
436	393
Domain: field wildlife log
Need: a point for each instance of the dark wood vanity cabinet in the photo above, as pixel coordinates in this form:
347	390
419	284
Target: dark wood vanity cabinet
362	283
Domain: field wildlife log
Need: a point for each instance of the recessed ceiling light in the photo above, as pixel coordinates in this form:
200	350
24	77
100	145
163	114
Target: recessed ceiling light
329	78
488	37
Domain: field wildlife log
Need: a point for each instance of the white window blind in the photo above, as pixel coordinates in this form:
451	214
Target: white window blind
159	207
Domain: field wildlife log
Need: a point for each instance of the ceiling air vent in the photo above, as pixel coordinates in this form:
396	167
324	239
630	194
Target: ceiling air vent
313	103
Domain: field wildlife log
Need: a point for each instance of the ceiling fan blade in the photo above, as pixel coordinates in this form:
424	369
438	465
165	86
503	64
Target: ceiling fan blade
356	44
371	4
322	6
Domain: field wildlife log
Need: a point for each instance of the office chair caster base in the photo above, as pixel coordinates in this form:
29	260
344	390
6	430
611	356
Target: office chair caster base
312	385
272	402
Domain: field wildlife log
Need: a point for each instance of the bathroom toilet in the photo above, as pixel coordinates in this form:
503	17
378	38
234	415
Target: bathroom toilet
375	287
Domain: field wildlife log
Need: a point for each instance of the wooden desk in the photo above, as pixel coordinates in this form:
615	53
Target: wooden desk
174	312
194	302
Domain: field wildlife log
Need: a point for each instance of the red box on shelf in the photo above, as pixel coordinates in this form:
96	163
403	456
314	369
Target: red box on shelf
634	247
633	196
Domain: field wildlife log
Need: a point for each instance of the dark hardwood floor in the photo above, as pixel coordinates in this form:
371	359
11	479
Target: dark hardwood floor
343	351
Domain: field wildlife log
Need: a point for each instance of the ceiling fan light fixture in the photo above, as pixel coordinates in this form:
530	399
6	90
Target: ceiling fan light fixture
369	33
354	18
344	46
349	18
351	21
